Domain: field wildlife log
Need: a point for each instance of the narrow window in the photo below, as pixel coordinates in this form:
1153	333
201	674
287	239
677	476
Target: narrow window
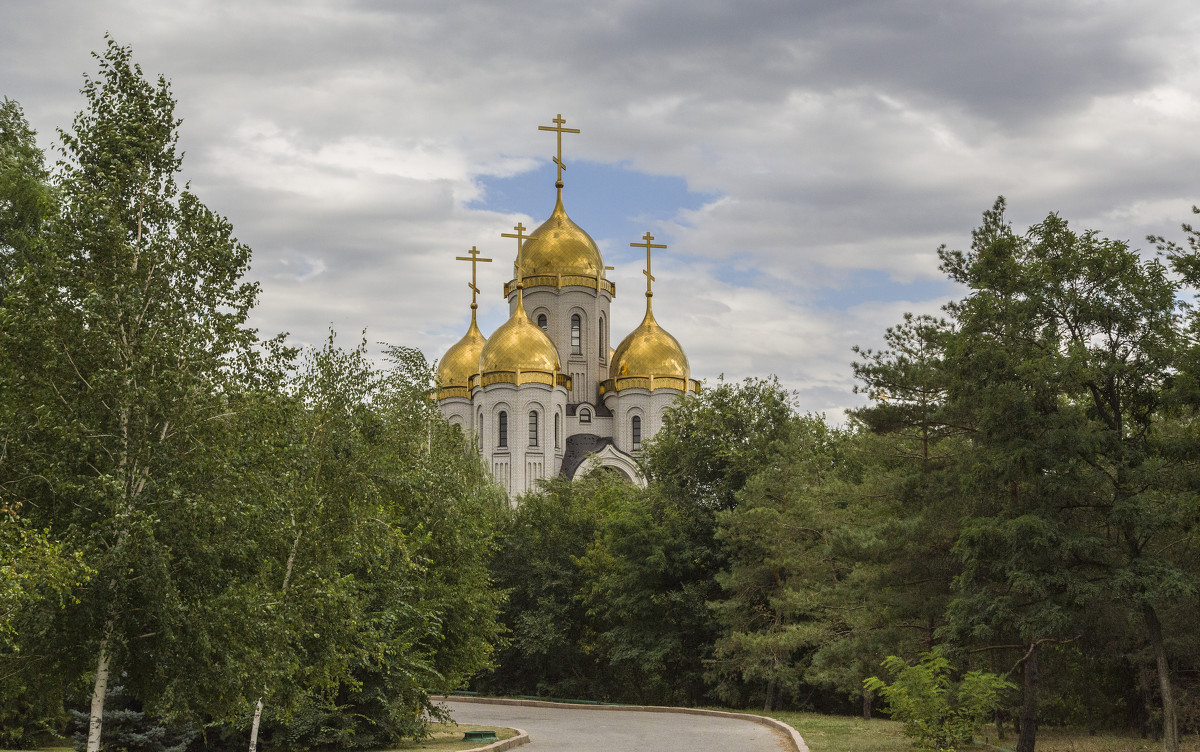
542	321
533	428
585	416
503	429
576	336
556	444
637	432
602	352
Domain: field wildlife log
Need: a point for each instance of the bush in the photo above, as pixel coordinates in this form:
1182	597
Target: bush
939	714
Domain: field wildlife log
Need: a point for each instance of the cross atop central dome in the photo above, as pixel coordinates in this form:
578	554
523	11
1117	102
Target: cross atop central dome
559	247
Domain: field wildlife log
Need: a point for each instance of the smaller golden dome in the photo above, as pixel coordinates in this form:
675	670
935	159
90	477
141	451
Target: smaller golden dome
559	246
518	345
649	350
461	361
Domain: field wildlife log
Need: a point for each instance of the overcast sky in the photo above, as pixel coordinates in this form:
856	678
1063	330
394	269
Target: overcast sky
802	160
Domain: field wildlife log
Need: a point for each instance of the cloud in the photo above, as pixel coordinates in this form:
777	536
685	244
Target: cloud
835	144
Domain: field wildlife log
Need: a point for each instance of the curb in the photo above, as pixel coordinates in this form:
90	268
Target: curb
503	744
792	735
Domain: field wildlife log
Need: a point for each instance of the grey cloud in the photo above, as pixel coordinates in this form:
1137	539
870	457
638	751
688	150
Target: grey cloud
840	137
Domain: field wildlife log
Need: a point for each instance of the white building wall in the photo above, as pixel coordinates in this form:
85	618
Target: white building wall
519	465
588	368
458	412
648	405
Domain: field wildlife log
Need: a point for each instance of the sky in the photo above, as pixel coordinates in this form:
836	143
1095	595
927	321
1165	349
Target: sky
802	160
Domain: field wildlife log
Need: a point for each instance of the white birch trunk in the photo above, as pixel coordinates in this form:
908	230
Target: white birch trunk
287	579
96	720
254	726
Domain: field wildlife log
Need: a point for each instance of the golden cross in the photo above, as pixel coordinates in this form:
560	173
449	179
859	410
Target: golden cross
521	238
647	245
558	126
474	259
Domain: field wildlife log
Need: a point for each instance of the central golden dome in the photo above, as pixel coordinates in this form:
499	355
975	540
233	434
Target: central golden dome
518	345
649	350
461	361
559	246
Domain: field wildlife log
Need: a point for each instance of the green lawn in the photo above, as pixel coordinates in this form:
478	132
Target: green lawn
828	733
836	733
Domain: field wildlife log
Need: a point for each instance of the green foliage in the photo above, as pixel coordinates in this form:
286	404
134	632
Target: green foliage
552	648
713	442
211	519
783	564
939	713
129	729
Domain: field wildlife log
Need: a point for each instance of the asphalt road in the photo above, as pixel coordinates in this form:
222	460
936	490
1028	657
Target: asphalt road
573	729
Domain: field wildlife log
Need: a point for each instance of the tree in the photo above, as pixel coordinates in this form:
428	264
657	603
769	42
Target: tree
647	586
783	570
120	346
712	443
1064	352
908	506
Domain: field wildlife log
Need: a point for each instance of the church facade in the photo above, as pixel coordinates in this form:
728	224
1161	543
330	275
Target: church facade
546	394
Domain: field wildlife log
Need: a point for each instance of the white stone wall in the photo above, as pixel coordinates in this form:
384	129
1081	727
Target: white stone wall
590	366
458	412
646	404
519	466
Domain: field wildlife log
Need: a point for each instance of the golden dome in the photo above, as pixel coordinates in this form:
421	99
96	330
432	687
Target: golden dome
559	246
518	345
461	361
649	351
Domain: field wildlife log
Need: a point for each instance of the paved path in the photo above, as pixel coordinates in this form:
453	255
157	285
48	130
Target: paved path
573	729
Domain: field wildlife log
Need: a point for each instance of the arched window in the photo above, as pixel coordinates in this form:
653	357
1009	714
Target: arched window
503	437
542	321
603	351
585	415
533	428
479	430
576	335
556	442
636	424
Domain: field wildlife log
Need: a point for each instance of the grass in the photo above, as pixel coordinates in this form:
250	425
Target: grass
829	733
1053	739
448	737
836	733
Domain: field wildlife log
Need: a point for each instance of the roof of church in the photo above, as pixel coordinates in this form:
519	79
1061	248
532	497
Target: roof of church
650	350
560	247
461	361
518	346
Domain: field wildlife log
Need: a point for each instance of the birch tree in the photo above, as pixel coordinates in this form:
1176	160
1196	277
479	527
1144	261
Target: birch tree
121	345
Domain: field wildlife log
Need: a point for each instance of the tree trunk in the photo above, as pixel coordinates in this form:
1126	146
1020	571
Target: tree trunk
770	695
287	580
254	727
1170	723
96	719
1029	701
868	696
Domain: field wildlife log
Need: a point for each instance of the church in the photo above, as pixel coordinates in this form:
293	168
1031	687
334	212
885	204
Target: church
546	394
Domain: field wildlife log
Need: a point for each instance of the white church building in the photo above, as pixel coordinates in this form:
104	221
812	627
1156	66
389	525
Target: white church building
545	394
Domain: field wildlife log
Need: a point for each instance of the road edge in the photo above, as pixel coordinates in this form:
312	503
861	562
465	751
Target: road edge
503	744
792	735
